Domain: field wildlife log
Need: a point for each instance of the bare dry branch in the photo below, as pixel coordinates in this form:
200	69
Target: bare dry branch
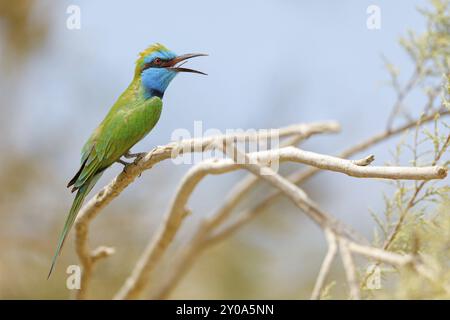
207	235
348	167
152	254
350	269
302	175
381	255
158	154
140	276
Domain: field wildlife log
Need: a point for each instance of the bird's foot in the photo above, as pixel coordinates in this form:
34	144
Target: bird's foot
137	156
124	163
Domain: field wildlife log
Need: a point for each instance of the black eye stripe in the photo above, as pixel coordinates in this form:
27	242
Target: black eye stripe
146	66
152	64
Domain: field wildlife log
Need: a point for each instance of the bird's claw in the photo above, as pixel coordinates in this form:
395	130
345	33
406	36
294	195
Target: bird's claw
124	163
138	155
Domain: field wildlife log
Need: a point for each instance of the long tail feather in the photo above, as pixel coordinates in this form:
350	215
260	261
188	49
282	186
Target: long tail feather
76	206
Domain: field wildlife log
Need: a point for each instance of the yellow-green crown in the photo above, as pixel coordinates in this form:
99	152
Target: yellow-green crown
153	48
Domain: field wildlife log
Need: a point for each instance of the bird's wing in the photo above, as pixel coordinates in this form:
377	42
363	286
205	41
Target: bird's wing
122	128
90	163
126	123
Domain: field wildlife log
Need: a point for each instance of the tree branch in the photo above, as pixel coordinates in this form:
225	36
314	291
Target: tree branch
326	264
97	203
207	235
140	276
173	219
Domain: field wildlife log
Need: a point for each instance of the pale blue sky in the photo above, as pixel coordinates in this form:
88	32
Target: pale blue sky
271	63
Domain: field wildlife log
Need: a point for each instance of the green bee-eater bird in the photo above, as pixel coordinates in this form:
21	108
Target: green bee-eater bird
129	120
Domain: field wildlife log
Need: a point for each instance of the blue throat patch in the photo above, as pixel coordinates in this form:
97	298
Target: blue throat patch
156	80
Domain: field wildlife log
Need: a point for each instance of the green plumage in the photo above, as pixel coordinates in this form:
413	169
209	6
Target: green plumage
129	120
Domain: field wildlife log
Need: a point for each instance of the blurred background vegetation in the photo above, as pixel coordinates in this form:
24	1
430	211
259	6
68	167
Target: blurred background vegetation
56	84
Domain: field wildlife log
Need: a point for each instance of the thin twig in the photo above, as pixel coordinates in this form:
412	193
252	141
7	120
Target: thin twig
350	269
326	265
401	94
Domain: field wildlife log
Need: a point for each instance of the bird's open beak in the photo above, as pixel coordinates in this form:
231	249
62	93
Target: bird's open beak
175	65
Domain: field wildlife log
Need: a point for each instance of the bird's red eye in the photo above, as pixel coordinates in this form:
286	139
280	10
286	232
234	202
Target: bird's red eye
157	61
